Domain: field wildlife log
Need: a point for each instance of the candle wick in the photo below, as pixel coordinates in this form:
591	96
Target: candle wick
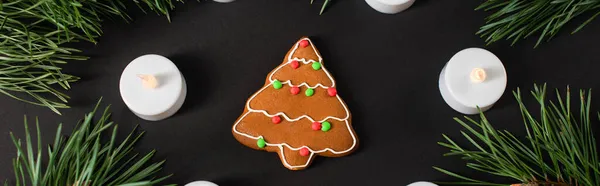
478	75
148	81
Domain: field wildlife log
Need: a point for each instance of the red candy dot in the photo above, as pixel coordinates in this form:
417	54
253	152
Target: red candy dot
295	90
331	91
304	43
294	64
316	126
276	119
304	151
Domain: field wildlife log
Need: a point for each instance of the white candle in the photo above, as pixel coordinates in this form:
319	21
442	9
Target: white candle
473	77
390	6
422	183
201	183
152	87
224	1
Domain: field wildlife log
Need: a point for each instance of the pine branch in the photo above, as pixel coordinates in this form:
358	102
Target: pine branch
518	19
32	35
90	156
559	150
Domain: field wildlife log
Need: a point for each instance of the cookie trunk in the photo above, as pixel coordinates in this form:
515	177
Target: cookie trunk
292	159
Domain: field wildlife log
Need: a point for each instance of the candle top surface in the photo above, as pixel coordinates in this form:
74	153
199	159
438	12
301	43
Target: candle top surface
145	100
394	2
422	183
459	77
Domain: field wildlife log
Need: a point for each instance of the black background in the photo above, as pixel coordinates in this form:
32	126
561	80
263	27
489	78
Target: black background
386	66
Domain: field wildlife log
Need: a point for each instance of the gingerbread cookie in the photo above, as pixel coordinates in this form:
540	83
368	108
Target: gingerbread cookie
298	113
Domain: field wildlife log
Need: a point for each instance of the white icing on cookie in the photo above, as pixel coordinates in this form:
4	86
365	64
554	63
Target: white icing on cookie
303	83
280	145
304	61
285	163
298	118
296	48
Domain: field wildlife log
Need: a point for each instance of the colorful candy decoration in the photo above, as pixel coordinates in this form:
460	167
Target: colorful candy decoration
304	151
316	126
261	143
295	90
294	64
277	84
304	43
316	65
276	119
325	126
309	92
331	91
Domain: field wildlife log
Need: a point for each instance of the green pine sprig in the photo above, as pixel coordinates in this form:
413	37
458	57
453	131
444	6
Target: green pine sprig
90	156
559	149
519	19
32	38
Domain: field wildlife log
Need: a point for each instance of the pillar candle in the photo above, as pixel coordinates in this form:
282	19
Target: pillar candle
152	87
473	77
224	1
422	183
390	6
201	183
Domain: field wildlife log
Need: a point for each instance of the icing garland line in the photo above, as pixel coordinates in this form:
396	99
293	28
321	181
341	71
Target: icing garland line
280	145
292	148
311	44
304	61
304	83
298	118
292	166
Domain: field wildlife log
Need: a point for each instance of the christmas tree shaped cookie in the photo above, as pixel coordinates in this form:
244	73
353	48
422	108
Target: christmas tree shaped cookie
298	113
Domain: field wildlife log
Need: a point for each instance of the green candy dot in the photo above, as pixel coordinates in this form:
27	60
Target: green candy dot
309	92
316	65
277	84
261	143
325	126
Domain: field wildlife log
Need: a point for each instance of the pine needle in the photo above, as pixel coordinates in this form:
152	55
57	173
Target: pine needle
90	156
32	38
518	19
325	4
560	148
